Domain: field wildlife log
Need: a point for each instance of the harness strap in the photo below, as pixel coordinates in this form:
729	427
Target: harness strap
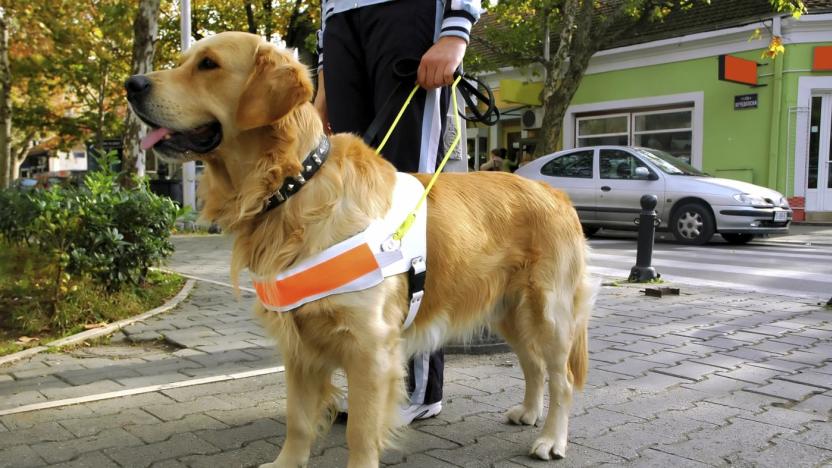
415	288
359	262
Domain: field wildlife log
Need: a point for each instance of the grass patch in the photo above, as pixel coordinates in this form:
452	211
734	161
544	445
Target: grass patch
28	307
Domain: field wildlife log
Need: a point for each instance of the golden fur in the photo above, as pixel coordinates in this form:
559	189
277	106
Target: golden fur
503	251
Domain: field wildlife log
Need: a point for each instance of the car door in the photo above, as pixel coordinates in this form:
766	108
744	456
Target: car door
621	186
574	173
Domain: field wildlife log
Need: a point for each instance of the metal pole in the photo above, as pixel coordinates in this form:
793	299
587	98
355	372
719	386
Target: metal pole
643	272
188	168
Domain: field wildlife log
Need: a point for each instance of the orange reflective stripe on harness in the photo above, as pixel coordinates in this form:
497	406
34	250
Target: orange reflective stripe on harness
319	279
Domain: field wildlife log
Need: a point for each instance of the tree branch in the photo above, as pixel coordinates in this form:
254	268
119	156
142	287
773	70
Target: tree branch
509	57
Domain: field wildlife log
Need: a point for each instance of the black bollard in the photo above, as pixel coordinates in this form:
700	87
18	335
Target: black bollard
643	272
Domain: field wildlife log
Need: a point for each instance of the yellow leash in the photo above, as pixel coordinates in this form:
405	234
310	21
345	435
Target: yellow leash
405	226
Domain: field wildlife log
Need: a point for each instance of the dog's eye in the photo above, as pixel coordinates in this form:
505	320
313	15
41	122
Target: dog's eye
207	64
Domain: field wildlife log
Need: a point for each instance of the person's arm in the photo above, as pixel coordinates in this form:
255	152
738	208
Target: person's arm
459	18
320	96
443	58
320	102
321	36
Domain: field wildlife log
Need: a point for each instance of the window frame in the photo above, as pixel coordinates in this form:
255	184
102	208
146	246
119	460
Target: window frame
664	111
628	132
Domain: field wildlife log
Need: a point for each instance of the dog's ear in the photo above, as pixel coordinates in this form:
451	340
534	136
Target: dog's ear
276	86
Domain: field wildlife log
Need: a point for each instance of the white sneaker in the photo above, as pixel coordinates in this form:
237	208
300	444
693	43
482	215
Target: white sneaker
408	413
412	412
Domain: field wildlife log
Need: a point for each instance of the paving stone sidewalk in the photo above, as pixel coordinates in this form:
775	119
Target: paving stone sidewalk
709	378
210	333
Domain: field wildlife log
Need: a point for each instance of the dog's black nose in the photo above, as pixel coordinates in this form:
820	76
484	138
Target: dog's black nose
137	85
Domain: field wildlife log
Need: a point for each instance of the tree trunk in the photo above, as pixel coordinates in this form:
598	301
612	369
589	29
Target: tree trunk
16	158
145	35
102	89
268	18
252	26
292	29
566	68
6	163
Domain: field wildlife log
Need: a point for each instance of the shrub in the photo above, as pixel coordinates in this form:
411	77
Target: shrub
27	304
100	230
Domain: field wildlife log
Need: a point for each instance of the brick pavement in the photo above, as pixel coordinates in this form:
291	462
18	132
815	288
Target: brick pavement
710	378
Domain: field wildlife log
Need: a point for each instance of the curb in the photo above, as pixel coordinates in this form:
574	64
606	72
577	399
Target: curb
97	332
811	243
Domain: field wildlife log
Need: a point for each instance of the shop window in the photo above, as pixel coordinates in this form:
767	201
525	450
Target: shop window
604	130
814	141
578	164
150	163
670	131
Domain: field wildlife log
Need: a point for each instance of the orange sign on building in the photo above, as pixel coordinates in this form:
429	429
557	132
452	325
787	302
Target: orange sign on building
822	60
737	70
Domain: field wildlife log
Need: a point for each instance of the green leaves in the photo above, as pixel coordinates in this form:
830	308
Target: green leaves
101	230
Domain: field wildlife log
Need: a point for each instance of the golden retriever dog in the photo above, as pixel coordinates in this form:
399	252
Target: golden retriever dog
503	251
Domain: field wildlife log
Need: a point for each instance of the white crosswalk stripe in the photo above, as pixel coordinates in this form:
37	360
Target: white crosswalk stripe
802	271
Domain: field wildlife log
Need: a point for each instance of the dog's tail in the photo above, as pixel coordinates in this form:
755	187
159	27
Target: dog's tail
582	307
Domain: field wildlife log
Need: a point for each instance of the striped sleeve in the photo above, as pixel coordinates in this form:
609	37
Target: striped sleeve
325	10
460	16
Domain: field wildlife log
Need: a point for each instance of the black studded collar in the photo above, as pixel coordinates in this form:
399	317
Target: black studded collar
292	184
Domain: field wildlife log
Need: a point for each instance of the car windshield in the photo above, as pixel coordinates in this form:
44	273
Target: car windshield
668	163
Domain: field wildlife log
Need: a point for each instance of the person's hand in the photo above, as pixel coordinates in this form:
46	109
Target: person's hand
320	103
440	61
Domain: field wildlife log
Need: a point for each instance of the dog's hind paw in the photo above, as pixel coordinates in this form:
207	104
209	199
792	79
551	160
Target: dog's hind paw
545	449
521	416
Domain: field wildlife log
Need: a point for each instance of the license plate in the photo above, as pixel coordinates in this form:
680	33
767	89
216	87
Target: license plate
780	216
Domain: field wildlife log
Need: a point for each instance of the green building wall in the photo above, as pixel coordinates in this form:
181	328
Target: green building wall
736	143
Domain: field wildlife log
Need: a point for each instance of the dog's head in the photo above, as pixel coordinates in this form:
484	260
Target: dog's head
223	86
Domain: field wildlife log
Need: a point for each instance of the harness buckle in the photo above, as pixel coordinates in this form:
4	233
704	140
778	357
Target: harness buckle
390	244
417	298
418	265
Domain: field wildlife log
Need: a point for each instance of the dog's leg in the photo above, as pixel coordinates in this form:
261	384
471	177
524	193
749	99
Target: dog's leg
307	391
554	338
372	381
531	410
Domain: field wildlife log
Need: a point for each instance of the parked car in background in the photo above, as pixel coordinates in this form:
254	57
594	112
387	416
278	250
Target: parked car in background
25	183
606	183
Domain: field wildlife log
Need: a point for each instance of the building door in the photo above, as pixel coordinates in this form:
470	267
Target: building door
819	174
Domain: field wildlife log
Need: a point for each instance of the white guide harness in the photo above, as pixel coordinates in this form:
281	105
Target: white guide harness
360	262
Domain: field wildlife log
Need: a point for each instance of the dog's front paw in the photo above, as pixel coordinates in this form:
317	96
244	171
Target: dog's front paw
546	449
520	415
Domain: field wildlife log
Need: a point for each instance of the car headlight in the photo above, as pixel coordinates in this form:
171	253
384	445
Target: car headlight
784	202
748	199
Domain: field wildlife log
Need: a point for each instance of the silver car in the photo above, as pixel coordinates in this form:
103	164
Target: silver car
607	182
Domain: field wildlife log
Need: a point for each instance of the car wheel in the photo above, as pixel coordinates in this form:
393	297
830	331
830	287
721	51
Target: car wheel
693	224
737	238
590	231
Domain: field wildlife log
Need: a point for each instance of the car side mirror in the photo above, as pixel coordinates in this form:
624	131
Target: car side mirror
643	173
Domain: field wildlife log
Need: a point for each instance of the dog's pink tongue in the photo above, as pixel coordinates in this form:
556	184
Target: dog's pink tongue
153	137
